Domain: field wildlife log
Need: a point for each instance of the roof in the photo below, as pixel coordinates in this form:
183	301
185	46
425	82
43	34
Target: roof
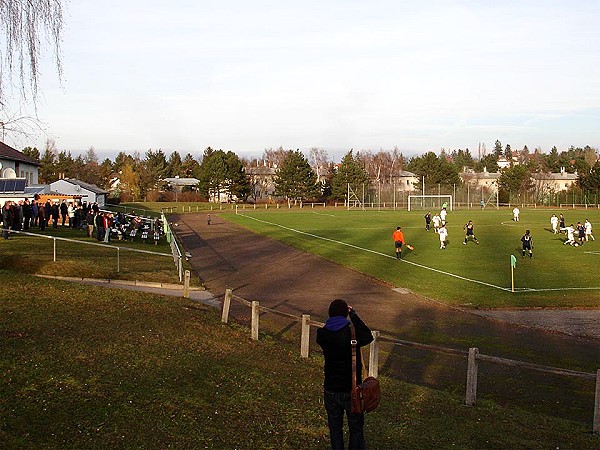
7	152
406	173
90	187
182	181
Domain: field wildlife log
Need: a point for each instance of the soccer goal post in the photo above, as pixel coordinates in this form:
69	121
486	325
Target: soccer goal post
436	202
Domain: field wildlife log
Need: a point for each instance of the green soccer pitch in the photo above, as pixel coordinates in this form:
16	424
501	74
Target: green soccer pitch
467	275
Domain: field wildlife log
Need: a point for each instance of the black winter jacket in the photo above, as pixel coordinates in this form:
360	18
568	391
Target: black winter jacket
338	354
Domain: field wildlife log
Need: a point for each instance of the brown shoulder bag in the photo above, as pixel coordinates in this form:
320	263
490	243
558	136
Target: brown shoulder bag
366	396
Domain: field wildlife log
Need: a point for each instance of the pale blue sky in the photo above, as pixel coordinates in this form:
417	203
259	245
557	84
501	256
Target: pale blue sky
245	76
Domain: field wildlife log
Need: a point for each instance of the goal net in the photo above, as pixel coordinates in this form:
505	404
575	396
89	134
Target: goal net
430	202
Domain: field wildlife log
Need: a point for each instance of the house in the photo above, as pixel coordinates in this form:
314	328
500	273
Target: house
89	192
407	181
548	182
15	164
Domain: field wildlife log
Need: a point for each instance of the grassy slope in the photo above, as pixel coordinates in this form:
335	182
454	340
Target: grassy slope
370	250
83	369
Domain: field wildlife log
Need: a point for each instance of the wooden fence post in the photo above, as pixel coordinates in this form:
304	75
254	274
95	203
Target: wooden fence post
596	426
226	304
255	311
186	284
305	337
472	377
374	355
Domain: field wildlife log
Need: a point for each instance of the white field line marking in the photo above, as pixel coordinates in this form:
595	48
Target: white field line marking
517	290
322	214
593	253
377	253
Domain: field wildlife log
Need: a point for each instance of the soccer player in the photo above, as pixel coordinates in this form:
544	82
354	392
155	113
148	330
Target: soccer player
570	230
443	233
516	214
470	232
443	214
561	222
398	237
427	220
554	223
436	222
527	241
588	230
580	233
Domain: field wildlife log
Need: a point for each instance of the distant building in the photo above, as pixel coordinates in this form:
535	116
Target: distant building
89	192
15	164
262	180
407	181
550	182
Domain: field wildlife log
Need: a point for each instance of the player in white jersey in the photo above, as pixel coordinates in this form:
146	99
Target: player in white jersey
554	223
443	233
443	214
570	230
437	221
588	230
516	214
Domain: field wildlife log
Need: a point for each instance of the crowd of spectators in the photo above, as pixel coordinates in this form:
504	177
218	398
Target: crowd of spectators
101	225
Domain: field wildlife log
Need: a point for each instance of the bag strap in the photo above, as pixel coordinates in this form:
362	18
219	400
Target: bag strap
354	344
365	374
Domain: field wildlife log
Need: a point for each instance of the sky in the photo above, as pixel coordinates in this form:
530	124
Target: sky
337	75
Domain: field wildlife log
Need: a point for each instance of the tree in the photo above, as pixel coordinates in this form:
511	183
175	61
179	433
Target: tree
48	163
295	179
213	174
590	181
33	153
190	167
461	159
350	171
24	26
274	157
238	183
508	154
514	180
498	149
154	169
174	165
436	170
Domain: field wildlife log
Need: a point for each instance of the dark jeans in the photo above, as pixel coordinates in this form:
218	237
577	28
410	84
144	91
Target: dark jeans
336	403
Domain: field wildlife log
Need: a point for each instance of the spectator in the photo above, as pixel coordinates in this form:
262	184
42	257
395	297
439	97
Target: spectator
7	219
64	210
99	221
55	214
89	219
42	213
27	214
334	338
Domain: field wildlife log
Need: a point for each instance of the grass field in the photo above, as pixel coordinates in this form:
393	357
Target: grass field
79	256
81	368
469	275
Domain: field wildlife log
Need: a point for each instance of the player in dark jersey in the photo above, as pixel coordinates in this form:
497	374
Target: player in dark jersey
580	233
427	221
470	232
527	241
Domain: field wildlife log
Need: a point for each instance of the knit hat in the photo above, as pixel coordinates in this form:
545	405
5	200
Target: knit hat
338	307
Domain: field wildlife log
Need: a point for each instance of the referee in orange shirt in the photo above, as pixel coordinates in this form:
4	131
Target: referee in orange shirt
398	237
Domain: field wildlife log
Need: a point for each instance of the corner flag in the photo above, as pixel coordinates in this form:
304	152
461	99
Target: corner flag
513	266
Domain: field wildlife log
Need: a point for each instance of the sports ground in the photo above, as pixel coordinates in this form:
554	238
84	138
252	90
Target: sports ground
471	275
